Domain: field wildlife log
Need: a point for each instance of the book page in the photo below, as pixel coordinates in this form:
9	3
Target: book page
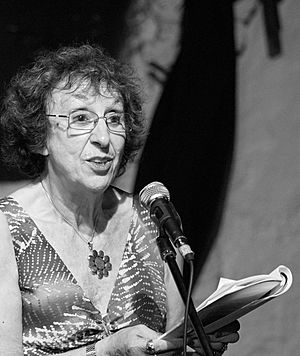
235	298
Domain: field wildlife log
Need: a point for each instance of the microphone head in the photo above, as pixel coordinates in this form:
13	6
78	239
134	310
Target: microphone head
151	192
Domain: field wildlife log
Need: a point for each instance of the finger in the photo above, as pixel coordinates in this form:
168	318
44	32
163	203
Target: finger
228	329
195	349
167	345
216	346
229	338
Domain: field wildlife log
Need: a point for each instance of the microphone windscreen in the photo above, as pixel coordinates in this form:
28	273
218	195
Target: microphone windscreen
151	192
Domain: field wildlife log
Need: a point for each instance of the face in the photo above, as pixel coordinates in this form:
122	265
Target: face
86	160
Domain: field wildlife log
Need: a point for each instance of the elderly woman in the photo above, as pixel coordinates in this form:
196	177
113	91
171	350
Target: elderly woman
80	270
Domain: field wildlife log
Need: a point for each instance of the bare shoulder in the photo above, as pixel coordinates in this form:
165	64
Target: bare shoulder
7	256
8	265
4	231
26	191
31	197
10	296
7	187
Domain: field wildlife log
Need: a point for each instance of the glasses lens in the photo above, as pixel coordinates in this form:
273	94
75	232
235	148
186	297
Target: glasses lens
116	122
82	120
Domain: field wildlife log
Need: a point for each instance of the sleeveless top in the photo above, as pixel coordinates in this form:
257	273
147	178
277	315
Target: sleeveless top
56	314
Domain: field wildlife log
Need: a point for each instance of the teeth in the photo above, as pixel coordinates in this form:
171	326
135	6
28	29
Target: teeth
97	161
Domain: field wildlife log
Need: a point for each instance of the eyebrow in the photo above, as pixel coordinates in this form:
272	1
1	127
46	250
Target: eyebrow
109	108
85	97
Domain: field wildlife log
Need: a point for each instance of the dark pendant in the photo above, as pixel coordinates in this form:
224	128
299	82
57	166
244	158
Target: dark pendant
99	264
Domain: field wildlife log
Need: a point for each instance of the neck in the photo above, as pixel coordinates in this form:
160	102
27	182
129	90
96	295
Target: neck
88	213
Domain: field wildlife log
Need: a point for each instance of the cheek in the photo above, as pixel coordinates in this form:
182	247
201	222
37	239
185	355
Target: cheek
64	150
118	144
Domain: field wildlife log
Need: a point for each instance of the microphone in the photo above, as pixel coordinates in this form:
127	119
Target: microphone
155	197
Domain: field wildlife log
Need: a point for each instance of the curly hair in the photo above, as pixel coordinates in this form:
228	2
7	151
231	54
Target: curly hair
23	123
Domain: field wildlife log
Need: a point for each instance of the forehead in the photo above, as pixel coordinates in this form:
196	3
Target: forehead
83	93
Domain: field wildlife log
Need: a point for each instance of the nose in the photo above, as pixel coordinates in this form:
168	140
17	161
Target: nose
100	134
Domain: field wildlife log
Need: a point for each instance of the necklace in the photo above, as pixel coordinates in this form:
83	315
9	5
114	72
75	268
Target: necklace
99	263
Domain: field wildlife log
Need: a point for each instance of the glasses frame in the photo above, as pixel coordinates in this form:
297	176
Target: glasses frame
95	122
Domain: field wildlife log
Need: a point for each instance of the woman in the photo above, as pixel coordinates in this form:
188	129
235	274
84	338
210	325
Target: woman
81	273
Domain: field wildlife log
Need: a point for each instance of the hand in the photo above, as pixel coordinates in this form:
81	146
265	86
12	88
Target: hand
218	340
136	341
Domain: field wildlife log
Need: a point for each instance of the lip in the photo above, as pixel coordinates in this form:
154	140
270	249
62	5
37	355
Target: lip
99	163
99	159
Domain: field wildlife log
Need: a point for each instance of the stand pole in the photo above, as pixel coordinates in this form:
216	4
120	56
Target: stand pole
169	255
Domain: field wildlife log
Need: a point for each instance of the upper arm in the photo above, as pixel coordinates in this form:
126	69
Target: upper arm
175	305
10	297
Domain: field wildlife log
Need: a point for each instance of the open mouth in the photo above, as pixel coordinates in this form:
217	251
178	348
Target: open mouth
100	163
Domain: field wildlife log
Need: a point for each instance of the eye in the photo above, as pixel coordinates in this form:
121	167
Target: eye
80	118
116	119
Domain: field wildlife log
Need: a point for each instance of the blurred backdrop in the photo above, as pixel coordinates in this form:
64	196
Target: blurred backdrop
221	81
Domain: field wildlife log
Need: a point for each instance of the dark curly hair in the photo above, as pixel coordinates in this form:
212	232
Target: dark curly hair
23	122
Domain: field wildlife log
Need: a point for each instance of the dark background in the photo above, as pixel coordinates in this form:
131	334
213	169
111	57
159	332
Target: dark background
191	142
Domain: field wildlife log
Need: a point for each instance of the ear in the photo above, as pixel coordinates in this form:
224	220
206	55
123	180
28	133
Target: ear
44	151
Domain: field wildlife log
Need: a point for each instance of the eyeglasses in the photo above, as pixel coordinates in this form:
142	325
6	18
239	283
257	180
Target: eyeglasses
85	121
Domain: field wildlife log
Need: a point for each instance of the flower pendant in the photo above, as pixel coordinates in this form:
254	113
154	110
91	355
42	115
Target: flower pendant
99	264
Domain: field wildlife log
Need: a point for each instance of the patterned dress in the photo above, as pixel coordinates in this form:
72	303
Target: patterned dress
57	316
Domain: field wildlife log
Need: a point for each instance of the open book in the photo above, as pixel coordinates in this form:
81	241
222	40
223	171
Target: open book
233	299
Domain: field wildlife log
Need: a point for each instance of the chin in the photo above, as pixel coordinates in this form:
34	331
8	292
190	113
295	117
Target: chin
98	185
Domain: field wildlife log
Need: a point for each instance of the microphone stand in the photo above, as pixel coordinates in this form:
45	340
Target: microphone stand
168	254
